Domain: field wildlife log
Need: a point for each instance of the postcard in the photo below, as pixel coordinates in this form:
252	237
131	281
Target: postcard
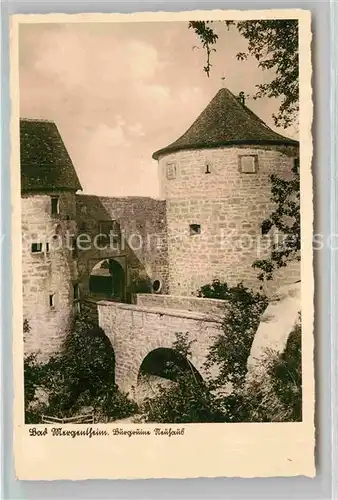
162	252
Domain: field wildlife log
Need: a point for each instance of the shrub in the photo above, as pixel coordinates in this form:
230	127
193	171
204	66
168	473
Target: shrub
188	399
241	319
83	374
286	377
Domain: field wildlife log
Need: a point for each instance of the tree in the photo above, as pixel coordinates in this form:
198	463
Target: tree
274	44
286	219
231	349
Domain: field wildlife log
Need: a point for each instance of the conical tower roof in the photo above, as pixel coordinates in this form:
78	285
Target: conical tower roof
45	162
225	121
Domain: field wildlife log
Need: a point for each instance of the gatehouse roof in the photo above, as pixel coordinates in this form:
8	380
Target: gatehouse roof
45	162
225	121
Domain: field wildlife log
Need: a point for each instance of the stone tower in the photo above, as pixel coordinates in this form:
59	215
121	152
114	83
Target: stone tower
216	181
48	186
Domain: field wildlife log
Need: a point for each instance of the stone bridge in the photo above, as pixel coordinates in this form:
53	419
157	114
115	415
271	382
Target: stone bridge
135	331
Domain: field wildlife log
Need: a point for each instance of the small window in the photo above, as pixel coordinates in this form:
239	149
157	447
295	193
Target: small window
248	164
47	247
36	247
110	225
109	229
52	300
76	293
171	171
195	229
207	169
74	248
55	205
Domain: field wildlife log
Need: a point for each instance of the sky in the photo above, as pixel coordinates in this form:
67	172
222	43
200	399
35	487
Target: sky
119	91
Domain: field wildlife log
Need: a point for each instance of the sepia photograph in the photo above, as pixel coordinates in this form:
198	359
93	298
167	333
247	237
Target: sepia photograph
161	258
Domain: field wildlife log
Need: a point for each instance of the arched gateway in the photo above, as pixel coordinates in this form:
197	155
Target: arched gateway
107	280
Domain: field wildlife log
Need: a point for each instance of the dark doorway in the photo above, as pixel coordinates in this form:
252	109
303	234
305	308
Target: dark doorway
107	280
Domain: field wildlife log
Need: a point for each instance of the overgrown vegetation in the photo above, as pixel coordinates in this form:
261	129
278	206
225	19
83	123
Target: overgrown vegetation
240	322
279	396
81	377
230	396
188	399
285	218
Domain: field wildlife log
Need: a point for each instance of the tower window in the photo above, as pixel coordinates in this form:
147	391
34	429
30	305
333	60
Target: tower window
74	248
52	300
76	297
171	171
195	229
36	247
109	230
248	164
54	205
76	293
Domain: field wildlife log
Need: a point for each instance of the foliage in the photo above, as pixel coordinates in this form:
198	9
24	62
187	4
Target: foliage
229	397
286	376
187	400
81	375
207	37
32	377
286	219
274	44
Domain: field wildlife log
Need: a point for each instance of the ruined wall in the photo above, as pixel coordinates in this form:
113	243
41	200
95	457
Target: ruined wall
49	272
142	248
136	331
206	187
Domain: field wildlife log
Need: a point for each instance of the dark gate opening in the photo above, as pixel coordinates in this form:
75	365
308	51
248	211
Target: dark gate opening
107	280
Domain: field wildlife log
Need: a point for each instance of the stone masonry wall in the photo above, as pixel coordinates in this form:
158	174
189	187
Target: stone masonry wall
142	250
229	206
49	272
136	331
193	304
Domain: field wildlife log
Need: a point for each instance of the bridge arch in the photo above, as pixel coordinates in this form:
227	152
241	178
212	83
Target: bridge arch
136	331
163	366
167	363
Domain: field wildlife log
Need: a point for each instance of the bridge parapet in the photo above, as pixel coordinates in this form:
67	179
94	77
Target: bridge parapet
197	304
